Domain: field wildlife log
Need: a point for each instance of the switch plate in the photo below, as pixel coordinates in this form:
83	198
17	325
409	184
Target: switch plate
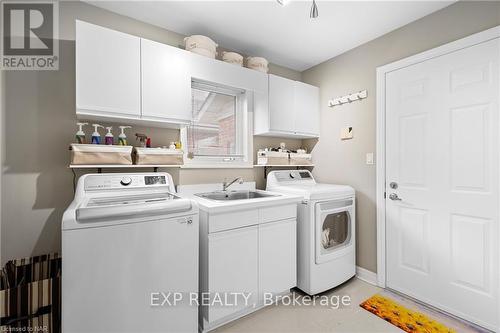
346	133
369	159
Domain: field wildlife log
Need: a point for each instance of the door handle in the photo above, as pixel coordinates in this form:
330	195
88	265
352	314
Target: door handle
394	196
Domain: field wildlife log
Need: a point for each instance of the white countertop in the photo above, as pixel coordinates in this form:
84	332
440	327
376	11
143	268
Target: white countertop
216	206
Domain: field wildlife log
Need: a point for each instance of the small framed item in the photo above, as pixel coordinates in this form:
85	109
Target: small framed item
346	133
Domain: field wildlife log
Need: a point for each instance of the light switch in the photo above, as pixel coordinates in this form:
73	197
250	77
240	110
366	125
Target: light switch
346	133
369	158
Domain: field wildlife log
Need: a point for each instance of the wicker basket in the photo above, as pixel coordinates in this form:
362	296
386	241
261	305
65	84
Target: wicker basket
83	154
155	156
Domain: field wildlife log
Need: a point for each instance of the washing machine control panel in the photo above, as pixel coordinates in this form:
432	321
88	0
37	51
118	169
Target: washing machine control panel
117	181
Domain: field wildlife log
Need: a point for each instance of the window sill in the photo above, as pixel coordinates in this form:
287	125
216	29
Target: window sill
217	166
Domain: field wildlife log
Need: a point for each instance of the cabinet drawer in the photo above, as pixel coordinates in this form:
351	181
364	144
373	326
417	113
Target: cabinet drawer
271	214
228	221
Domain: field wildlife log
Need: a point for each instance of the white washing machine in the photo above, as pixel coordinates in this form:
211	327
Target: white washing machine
126	237
326	245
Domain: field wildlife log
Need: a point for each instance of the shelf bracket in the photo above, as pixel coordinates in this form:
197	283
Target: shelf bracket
265	171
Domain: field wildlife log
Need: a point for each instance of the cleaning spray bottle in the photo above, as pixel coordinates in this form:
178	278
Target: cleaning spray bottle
122	138
80	135
108	139
96	137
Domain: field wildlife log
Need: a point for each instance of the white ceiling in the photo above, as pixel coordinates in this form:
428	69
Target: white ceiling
284	35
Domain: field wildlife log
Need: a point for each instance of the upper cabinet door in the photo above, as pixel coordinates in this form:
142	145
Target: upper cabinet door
107	72
306	109
166	83
281	104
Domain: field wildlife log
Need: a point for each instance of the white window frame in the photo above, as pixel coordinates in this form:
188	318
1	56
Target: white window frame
244	131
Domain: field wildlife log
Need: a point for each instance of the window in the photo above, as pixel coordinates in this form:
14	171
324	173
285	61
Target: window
218	134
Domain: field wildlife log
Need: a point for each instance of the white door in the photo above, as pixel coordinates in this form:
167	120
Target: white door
442	148
166	82
278	256
108	70
306	112
281	104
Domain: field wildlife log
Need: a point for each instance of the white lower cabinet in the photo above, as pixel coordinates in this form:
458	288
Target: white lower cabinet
277	256
232	267
254	256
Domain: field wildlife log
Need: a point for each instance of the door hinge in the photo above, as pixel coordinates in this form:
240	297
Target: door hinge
385	195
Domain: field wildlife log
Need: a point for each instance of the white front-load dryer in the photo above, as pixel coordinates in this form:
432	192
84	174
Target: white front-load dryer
326	244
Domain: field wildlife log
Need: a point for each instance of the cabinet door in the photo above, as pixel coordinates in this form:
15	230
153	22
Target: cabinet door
281	104
232	268
306	109
107	71
278	256
166	82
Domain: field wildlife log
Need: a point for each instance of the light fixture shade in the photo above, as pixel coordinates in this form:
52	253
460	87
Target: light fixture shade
314	10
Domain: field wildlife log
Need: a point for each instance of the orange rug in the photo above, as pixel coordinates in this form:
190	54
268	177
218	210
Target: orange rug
408	320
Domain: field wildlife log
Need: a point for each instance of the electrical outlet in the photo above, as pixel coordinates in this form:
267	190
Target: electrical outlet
369	159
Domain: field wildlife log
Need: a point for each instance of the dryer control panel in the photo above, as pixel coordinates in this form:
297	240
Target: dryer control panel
290	176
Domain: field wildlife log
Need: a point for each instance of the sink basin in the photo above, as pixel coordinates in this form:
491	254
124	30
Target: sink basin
234	195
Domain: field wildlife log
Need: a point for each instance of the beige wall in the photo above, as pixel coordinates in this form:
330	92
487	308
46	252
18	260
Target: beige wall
344	161
40	124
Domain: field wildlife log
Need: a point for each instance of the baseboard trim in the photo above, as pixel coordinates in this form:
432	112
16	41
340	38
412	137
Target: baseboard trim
366	275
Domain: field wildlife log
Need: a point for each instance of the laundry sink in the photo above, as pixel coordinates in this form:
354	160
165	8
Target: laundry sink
234	195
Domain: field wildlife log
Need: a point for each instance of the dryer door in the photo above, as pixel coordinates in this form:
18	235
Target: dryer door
334	229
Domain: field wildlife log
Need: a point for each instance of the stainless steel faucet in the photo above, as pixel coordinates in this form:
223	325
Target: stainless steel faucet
225	184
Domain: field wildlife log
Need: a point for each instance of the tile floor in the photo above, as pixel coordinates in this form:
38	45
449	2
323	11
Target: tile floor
321	318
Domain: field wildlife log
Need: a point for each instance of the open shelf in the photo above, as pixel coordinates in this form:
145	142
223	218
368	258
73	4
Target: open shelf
99	167
104	166
284	165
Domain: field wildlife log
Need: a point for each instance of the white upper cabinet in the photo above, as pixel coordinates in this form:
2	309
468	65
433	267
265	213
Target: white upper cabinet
166	83
281	104
306	109
107	72
293	110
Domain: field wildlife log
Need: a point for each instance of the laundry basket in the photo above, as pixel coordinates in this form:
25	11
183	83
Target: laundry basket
100	154
30	295
155	156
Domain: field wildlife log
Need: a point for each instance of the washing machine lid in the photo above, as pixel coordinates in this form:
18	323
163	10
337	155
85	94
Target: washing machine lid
316	191
130	206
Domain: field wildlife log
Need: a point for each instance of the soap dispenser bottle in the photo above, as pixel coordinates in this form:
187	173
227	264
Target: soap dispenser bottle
96	137
122	138
108	139
80	134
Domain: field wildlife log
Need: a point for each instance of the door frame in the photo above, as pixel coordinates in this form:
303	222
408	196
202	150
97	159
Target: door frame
469	41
